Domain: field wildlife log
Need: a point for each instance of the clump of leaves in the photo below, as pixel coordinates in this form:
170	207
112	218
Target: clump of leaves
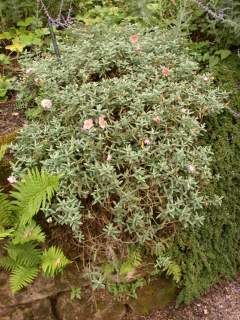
5	87
125	121
24	257
27	33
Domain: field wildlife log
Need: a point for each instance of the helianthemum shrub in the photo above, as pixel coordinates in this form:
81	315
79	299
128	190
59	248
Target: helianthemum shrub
122	117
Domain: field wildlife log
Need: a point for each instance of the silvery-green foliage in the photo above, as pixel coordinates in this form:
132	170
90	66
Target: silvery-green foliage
158	170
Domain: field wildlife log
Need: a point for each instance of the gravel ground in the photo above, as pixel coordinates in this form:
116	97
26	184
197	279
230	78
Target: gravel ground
222	302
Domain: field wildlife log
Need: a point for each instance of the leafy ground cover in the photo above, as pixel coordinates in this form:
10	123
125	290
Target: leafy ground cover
159	115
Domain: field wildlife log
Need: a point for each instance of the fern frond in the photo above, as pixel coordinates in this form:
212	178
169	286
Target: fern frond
170	267
6	211
126	267
3	149
174	270
4	233
21	276
134	256
53	261
30	232
25	254
33	192
7	263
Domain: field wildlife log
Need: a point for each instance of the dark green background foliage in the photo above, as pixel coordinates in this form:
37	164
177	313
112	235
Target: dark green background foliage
11	11
211	252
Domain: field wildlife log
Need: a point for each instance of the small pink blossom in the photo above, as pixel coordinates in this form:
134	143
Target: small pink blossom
88	124
102	122
46	104
12	179
109	157
146	142
191	168
157	120
183	110
165	72
38	82
29	71
134	39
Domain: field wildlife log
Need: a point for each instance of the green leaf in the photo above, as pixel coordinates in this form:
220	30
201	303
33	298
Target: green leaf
4	233
108	268
213	61
4	59
6	36
16	46
126	267
29	232
3	149
224	53
7	263
33	192
21	277
6	211
53	261
25	254
25	23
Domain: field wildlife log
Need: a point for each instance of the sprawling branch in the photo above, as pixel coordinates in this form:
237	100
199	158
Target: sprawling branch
60	21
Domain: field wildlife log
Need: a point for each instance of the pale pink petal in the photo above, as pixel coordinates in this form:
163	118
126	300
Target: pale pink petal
109	157
46	104
12	179
191	168
88	124
29	71
147	142
165	72
102	122
134	39
157	120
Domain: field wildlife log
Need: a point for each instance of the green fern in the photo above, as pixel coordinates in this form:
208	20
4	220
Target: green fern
27	254
30	232
6	211
22	276
4	233
3	149
33	192
134	260
165	264
24	258
53	261
7	263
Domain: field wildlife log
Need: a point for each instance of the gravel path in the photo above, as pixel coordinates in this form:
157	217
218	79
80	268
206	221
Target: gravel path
222	302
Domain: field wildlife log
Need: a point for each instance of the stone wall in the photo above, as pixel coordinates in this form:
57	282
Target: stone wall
49	299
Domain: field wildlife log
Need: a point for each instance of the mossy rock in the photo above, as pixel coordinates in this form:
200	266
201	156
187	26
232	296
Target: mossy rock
156	295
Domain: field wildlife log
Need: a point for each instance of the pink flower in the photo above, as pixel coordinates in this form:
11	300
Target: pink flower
88	124
146	142
102	123
157	120
191	168
46	104
165	72
29	71
134	39
12	179
109	157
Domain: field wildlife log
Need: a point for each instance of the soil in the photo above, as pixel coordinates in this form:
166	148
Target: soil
10	118
222	302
